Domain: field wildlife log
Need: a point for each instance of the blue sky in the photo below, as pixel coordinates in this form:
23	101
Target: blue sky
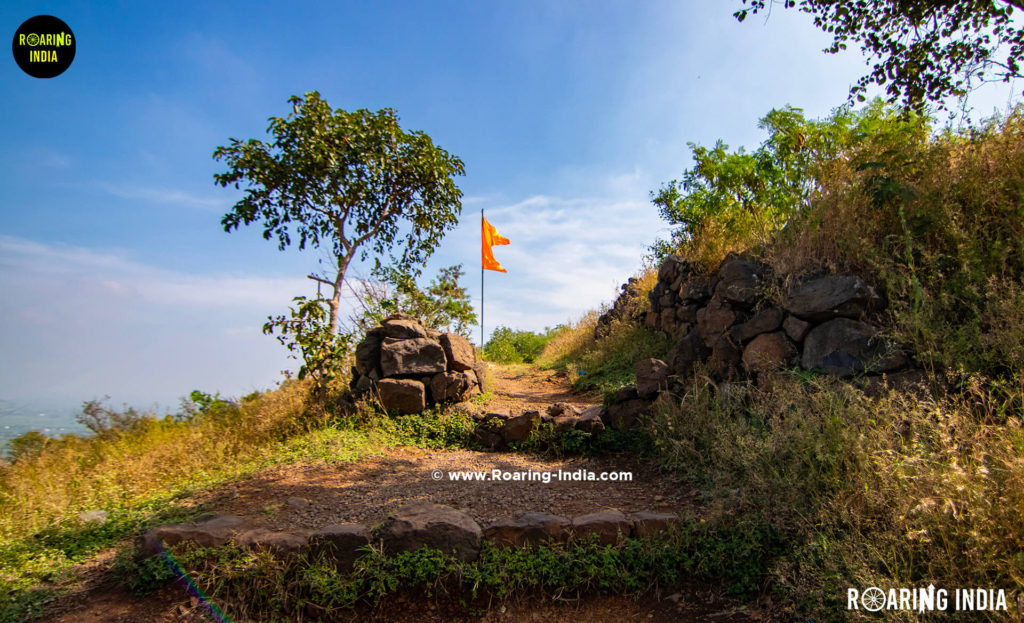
118	280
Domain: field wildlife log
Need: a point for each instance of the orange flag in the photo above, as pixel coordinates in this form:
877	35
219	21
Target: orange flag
490	237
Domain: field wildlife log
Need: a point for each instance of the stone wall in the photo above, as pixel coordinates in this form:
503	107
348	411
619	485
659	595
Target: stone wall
409	366
731	323
418	525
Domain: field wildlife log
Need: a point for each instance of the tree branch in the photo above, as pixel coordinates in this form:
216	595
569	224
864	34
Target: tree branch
320	279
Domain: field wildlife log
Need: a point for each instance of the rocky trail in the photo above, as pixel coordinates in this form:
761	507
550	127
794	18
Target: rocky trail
307	497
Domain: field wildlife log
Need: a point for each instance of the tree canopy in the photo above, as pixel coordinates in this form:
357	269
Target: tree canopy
348	182
735	200
920	50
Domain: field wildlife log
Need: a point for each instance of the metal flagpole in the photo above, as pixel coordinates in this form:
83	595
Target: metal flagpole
481	278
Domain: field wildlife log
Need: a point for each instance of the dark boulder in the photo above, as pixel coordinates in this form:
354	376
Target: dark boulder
412	357
591	420
769	351
693	291
530	529
795	328
609	526
687	313
368	354
623	415
764	321
845	347
282	544
403	328
832	296
209	530
340	543
519	427
402	395
714	319
648	523
424	524
458	351
490	429
689	350
651	377
448	386
739	281
628	392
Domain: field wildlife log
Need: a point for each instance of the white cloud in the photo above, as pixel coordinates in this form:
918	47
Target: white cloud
49	158
567	255
165	195
84	323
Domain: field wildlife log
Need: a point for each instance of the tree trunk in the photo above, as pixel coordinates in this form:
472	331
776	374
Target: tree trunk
339	279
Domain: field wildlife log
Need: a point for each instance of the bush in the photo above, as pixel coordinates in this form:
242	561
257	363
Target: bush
510	346
27	445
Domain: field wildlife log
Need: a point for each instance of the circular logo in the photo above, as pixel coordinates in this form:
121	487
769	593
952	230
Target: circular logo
873	599
44	46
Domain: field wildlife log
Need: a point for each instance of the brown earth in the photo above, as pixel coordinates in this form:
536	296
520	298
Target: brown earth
518	387
304	496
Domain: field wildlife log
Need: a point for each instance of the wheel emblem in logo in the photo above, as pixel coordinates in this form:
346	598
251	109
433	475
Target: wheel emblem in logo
873	599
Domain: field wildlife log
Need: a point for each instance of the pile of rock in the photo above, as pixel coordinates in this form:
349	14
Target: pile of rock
409	366
728	322
497	429
418	525
626	307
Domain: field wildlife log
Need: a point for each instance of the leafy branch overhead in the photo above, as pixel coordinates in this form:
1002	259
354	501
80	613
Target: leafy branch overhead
348	182
920	50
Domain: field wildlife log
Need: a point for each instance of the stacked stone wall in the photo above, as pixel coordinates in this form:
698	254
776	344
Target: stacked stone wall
409	366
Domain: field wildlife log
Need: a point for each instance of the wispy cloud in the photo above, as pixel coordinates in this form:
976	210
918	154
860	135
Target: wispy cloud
86	322
49	158
165	196
567	255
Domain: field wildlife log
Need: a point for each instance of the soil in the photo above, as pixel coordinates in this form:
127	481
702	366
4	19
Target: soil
519	387
306	497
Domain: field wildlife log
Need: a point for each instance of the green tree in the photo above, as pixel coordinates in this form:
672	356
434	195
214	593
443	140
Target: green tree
349	182
921	50
734	201
513	346
443	305
307	333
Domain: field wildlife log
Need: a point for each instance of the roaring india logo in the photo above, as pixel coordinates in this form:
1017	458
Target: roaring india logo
44	46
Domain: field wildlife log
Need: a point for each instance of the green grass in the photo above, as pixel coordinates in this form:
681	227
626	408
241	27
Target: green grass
258	586
605	364
42	538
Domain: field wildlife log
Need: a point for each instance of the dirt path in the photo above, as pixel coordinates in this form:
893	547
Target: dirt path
520	386
306	497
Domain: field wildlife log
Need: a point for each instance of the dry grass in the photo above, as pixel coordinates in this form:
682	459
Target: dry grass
77	474
571	342
939	225
889	492
606	363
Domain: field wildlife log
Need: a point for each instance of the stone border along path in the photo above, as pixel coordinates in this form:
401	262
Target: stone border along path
426	524
417	525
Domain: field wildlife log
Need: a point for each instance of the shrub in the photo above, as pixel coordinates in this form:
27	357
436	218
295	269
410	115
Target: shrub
511	346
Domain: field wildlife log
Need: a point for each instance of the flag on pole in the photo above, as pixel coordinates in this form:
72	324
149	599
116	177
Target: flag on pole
490	237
